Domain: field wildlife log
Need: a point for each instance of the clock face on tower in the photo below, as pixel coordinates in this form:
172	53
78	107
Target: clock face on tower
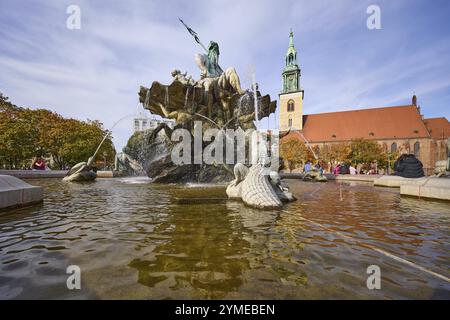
291	85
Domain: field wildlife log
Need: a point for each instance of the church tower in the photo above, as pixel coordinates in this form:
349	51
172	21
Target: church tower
291	96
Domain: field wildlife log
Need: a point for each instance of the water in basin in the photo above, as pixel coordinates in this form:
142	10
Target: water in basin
131	239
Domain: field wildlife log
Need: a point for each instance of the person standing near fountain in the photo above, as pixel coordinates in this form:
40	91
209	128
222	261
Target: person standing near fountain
307	166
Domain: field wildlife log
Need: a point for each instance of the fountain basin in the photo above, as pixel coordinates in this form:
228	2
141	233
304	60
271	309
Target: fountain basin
432	187
397	181
17	193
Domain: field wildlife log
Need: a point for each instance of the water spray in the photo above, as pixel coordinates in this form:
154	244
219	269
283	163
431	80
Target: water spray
309	146
256	100
108	133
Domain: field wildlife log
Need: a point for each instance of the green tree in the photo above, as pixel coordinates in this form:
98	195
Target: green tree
17	141
26	133
367	151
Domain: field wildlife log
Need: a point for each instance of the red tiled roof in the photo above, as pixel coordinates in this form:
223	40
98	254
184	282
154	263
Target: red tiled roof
372	124
439	128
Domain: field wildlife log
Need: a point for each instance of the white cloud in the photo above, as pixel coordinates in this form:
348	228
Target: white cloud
95	72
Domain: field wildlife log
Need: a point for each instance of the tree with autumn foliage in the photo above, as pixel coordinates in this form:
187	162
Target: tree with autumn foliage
335	152
294	153
26	133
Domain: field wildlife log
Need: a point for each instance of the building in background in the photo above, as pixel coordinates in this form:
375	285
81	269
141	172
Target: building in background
401	129
143	122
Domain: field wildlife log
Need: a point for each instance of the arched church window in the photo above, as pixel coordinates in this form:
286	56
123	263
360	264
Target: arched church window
290	106
407	147
393	147
417	149
290	122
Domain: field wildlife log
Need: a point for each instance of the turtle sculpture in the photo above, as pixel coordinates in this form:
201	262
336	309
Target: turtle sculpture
314	175
258	189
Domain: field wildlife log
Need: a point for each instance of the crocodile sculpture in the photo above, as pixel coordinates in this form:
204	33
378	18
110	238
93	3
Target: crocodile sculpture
258	189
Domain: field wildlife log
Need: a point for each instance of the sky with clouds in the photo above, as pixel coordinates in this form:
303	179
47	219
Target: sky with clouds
95	72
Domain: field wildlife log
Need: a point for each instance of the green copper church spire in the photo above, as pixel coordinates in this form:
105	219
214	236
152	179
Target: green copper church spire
291	39
291	72
291	54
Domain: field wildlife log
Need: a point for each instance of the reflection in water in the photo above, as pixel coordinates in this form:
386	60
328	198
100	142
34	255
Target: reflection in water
204	250
132	239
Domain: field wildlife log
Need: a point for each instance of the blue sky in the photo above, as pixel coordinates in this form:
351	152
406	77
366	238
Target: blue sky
95	72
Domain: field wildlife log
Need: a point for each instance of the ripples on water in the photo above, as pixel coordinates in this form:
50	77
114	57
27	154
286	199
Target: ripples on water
132	240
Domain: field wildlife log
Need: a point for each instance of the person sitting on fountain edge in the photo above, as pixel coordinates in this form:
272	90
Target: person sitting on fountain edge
38	164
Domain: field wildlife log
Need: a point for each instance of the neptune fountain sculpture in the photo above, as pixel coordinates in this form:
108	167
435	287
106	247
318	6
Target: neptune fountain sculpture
217	101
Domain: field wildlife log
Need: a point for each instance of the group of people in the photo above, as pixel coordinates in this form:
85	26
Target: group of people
309	166
343	168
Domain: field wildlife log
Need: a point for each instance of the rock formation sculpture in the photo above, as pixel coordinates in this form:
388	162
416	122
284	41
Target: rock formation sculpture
124	165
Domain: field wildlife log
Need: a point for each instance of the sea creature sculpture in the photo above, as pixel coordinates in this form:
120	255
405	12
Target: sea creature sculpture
258	189
314	175
83	171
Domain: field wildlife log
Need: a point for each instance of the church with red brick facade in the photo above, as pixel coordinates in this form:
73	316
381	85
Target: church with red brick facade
401	129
